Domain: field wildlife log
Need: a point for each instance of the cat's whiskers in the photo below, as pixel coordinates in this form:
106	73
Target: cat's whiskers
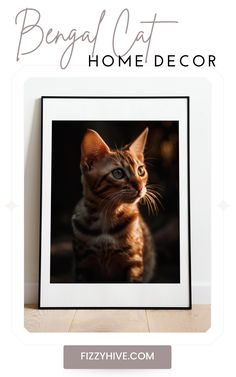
155	187
155	196
153	208
145	202
152	199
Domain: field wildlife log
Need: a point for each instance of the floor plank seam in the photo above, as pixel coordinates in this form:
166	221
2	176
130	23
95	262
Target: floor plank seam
147	321
70	327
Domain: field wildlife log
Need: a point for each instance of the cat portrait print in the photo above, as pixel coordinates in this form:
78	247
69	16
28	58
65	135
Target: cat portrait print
115	202
111	241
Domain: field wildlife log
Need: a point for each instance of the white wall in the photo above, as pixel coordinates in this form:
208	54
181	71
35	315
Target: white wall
200	125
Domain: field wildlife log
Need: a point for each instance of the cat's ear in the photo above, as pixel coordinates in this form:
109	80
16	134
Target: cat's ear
93	147
138	145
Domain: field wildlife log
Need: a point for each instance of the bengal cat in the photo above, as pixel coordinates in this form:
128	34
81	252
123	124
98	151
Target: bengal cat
112	243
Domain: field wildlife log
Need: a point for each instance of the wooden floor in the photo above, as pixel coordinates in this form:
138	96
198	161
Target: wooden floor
196	320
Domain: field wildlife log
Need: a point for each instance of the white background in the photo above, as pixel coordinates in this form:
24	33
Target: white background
205	26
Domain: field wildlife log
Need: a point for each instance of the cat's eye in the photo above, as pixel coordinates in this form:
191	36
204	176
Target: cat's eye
118	173
141	171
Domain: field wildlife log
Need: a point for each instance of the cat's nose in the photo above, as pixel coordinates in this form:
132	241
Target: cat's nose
137	186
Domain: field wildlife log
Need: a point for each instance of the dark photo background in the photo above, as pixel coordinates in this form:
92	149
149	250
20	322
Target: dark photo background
162	152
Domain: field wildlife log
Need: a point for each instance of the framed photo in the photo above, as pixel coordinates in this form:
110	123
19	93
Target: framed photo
115	207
